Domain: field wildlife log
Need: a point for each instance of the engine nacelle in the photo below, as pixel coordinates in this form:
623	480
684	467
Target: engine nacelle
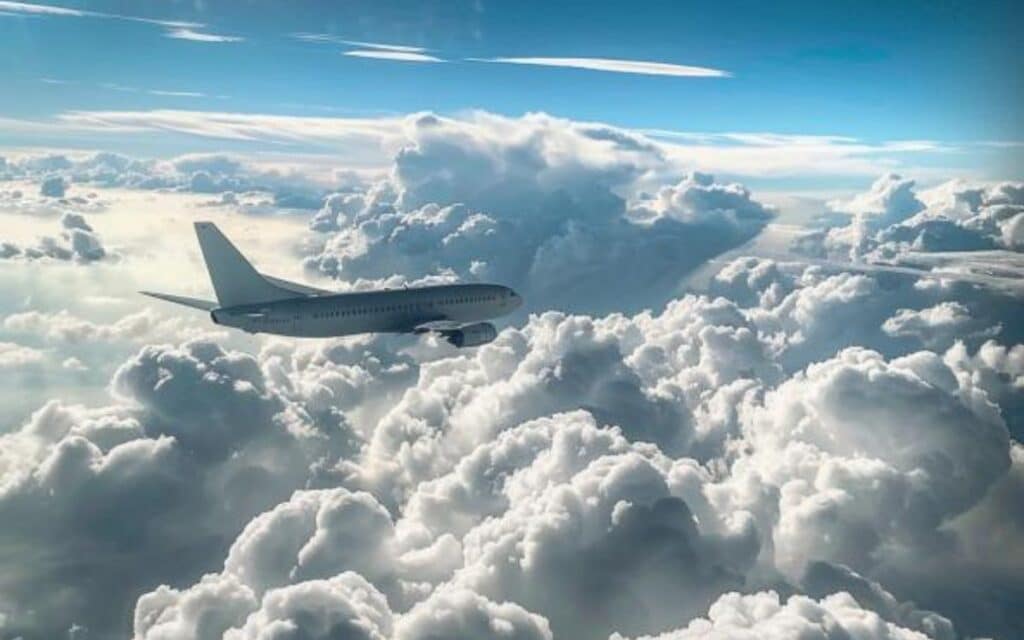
473	335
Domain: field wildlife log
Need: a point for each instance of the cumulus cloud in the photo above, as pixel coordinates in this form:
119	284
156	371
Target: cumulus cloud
997	371
215	173
459	613
802	311
191	481
15	356
671	380
766	615
870	456
345	606
938	326
544	205
77	242
456	497
892	219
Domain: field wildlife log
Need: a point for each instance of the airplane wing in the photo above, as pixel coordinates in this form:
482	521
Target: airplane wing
438	326
295	287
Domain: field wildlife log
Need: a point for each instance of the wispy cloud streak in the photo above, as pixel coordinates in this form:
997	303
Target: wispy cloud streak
197	36
28	8
616	66
387	54
324	37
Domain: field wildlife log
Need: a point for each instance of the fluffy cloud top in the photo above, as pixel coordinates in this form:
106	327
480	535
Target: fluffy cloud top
77	242
198	173
892	219
765	615
550	207
939	326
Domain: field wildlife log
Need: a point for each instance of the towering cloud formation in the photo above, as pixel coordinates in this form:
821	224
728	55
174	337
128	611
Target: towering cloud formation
551	207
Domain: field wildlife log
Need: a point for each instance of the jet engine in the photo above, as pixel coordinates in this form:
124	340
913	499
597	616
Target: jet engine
472	335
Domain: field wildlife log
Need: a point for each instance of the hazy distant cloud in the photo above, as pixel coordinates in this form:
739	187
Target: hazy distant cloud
176	94
136	328
239	126
762	154
388	54
617	66
13	356
51	10
185	33
113	86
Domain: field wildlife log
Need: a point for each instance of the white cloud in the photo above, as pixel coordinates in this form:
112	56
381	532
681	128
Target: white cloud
140	327
617	66
890	221
206	610
16	356
766	616
242	450
77	242
460	613
345	606
238	126
185	33
324	37
938	326
389	54
870	456
549	206
176	94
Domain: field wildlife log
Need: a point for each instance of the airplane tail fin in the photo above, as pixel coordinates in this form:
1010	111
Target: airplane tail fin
234	279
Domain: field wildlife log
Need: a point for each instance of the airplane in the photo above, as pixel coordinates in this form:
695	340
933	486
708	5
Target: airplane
258	303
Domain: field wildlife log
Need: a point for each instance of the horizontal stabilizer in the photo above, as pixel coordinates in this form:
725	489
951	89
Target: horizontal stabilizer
196	303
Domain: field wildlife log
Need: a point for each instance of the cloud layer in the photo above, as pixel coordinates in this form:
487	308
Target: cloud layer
799	449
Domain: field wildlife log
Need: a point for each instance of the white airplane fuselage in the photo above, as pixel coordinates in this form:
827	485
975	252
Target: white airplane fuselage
387	311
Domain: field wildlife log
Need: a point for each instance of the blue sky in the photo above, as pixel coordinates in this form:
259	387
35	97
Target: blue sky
871	71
